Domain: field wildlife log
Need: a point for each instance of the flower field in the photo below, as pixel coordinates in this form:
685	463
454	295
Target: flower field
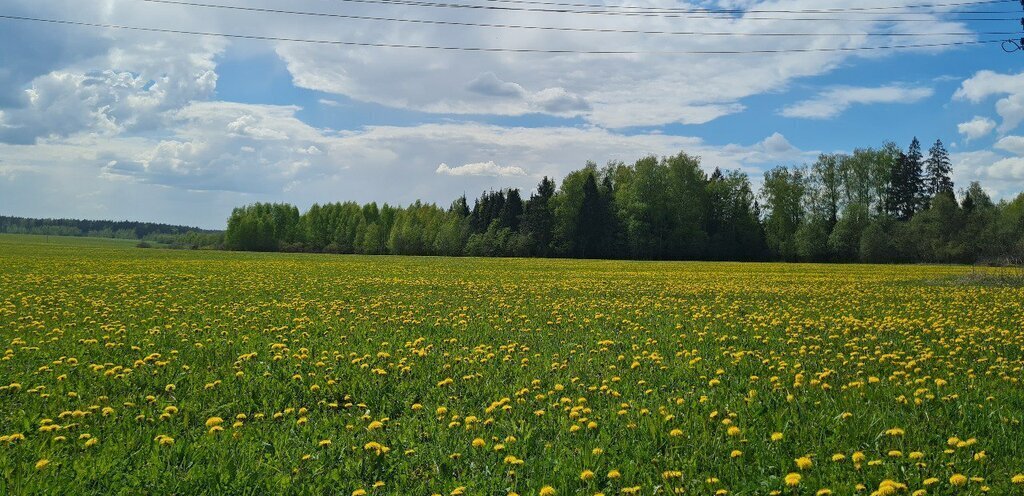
131	371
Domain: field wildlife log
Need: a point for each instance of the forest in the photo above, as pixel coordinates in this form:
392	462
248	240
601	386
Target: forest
878	205
161	234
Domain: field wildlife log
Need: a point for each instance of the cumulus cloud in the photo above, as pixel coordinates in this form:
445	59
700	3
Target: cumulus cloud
985	84
1001	175
480	169
110	86
94	110
832	102
224	146
617	91
976	127
1012	144
223	154
988	83
489	84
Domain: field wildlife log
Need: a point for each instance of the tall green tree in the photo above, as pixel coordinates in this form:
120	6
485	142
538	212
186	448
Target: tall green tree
938	170
783	194
905	193
539	219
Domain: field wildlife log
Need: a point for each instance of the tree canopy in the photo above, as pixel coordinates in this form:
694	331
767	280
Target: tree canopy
873	205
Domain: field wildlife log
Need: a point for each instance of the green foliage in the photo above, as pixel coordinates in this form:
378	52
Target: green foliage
874	205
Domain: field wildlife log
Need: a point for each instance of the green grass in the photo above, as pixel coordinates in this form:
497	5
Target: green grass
649	363
15	240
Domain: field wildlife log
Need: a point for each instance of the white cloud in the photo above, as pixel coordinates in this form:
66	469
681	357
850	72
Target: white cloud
976	127
112	84
989	83
1008	169
489	84
480	169
1002	176
106	107
985	84
835	101
1012	144
1011	109
607	90
238	153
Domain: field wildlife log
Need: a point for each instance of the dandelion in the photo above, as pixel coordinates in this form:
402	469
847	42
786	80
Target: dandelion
792	479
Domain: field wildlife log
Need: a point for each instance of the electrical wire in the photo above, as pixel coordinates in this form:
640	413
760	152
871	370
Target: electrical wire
684	15
674	10
496	49
557	28
835	9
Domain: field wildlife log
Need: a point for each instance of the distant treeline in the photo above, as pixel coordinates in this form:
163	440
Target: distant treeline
164	234
874	205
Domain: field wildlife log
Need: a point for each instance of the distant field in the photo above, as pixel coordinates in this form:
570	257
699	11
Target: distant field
11	240
133	371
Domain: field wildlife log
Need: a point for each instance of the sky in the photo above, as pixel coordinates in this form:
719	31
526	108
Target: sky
106	123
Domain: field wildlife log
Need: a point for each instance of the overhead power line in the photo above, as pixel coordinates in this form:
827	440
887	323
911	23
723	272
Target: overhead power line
496	49
557	28
834	9
881	10
692	14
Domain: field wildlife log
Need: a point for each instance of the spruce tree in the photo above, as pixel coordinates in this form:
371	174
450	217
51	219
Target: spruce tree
905	195
588	227
914	176
939	168
539	218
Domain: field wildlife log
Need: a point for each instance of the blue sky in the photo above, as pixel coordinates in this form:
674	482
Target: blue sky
101	123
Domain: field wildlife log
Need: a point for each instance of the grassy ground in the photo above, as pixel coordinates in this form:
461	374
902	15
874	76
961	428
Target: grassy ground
130	371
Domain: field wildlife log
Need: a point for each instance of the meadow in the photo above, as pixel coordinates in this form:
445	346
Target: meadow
147	371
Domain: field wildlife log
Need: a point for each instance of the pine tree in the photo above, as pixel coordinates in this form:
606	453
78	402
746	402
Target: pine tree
939	168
